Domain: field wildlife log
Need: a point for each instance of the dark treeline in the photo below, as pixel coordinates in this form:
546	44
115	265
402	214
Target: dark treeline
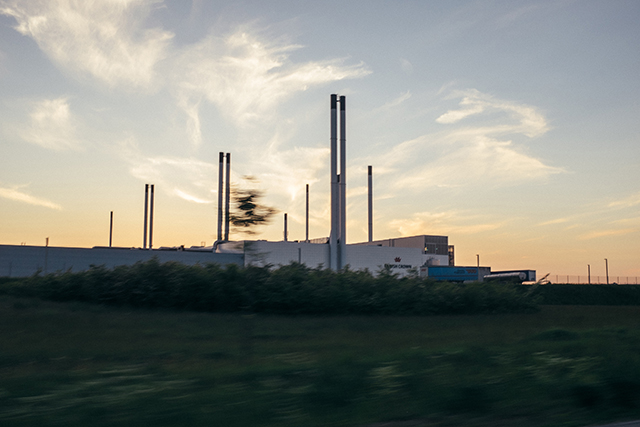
589	294
290	289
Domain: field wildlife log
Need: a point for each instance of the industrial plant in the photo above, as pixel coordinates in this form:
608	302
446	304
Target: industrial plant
425	255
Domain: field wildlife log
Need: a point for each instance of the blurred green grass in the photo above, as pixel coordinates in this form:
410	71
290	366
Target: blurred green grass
75	364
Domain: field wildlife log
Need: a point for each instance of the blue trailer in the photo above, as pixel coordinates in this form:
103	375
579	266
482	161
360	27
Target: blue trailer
454	274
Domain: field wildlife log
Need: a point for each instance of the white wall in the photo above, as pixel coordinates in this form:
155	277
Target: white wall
399	260
373	258
261	253
23	261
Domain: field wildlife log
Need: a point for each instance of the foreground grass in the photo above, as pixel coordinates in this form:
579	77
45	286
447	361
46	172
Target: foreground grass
75	364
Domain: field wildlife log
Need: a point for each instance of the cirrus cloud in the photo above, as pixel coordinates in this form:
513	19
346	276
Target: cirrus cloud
627	202
524	119
20	196
247	76
51	125
483	152
103	39
452	222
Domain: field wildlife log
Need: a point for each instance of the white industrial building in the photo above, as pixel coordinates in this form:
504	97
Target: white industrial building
404	255
23	261
395	254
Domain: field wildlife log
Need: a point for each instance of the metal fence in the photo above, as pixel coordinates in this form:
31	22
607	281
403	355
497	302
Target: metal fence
594	280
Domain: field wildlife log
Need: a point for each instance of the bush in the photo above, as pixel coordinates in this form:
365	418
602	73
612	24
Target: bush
589	294
289	289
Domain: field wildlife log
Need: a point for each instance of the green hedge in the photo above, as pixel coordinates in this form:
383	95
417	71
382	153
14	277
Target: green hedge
589	294
290	289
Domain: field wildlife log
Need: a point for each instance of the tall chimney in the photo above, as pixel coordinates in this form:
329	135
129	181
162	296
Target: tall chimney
342	241
227	196
335	220
151	220
220	177
306	235
285	227
111	228
370	203
146	215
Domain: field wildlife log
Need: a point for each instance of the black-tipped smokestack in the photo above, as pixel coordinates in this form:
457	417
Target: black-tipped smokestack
370	203
335	199
227	198
285	227
110	228
220	178
151	220
306	235
146	215
342	240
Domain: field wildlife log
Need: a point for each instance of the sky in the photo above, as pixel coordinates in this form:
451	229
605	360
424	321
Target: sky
512	127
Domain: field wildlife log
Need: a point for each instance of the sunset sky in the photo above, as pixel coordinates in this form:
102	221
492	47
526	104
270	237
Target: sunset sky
513	127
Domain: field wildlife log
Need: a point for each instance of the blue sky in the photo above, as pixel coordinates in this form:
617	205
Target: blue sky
510	126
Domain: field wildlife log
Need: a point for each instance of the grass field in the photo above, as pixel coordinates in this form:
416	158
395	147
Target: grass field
73	364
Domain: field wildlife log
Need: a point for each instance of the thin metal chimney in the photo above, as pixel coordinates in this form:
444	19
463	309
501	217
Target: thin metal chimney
220	177
227	196
146	215
370	203
335	220
306	235
111	229
342	240
151	220
285	227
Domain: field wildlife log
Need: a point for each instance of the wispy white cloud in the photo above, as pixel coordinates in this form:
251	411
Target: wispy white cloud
191	108
185	177
104	39
20	196
447	222
524	119
406	66
607	233
628	221
478	154
395	102
554	221
189	197
247	76
284	171
454	116
627	202
51	125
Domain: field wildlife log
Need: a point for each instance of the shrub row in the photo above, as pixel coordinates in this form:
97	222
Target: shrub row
290	289
589	294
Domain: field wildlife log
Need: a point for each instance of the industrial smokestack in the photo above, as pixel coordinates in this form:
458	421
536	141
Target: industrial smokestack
306	235
342	240
335	219
110	228
146	215
151	220
220	177
285	227
227	196
370	203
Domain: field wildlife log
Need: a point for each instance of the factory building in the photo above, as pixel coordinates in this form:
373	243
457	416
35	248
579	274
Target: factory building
24	261
426	255
402	259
